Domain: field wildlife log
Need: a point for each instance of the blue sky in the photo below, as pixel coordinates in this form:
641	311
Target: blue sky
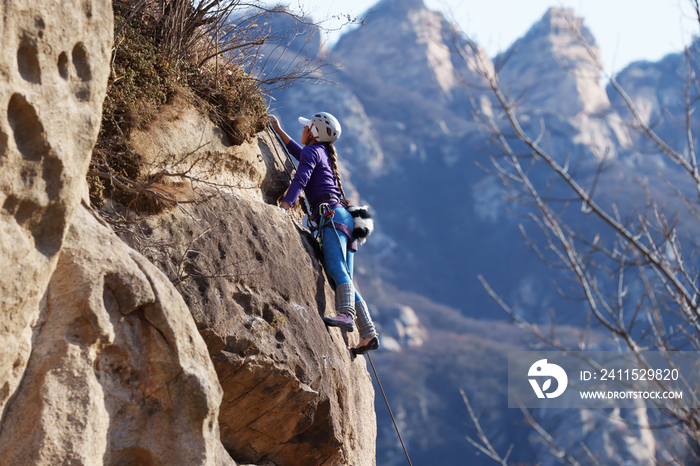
626	30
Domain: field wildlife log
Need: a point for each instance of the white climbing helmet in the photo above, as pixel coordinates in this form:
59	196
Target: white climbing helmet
326	126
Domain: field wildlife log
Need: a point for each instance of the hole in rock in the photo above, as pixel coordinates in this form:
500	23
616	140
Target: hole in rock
81	62
63	65
27	128
28	61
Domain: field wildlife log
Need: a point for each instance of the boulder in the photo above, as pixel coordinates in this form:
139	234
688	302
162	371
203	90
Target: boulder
399	326
53	76
118	373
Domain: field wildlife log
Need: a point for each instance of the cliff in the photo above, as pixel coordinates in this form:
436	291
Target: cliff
256	289
207	346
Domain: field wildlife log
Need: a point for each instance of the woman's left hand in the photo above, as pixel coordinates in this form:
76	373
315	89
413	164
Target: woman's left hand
274	122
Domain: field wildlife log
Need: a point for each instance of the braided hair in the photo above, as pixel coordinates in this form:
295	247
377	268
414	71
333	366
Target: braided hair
333	156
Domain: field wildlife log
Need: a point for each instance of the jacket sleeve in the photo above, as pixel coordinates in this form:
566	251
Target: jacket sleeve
307	161
294	148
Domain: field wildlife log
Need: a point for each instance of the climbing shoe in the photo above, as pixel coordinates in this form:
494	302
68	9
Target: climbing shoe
371	345
344	321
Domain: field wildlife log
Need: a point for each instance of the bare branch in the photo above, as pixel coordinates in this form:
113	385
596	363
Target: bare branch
485	446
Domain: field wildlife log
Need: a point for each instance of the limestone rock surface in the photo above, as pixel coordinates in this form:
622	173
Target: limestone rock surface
54	64
183	139
118	373
100	361
293	393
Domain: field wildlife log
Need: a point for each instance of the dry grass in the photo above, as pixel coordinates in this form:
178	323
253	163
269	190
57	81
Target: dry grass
144	77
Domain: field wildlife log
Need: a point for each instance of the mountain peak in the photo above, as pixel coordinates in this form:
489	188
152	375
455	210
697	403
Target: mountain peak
397	6
558	22
554	67
557	17
410	48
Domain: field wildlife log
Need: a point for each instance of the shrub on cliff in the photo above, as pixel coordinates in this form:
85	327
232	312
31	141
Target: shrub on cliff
160	52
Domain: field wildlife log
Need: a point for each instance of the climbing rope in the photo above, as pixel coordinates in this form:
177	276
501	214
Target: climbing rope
379	382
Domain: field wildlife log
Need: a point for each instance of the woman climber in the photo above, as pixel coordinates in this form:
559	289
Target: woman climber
319	177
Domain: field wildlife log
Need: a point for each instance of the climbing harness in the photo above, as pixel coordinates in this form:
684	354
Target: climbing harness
326	215
389	408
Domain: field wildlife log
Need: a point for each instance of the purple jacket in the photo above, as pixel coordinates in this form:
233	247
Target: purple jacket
314	175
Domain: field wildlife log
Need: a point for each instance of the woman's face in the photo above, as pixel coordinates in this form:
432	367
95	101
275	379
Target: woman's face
306	136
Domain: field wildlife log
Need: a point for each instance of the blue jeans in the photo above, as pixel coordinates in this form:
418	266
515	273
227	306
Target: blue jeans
339	260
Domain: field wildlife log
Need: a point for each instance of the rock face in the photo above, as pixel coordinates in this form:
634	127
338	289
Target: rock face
292	392
256	169
118	373
101	360
53	75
